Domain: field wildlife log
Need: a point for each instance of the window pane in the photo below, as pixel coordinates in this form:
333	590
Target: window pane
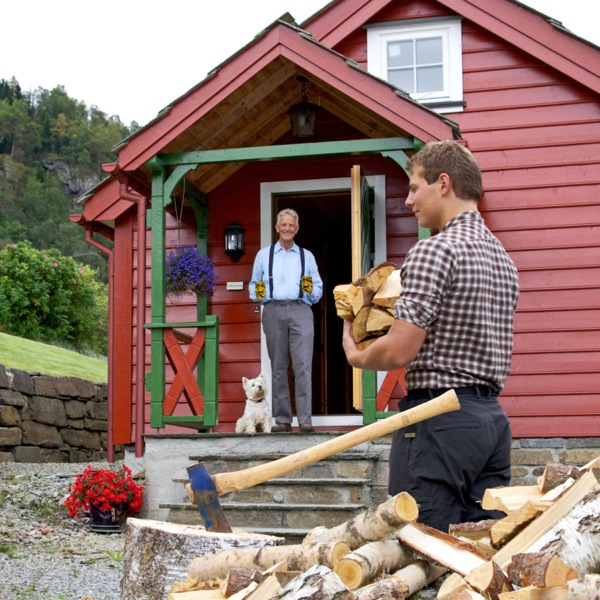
429	51
400	54
430	79
403	79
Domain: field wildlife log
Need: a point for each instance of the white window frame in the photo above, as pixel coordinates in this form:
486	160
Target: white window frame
450	99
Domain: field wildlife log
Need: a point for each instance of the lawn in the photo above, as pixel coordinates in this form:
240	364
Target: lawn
34	357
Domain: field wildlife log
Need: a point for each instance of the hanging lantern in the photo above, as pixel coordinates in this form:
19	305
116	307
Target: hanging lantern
234	241
303	115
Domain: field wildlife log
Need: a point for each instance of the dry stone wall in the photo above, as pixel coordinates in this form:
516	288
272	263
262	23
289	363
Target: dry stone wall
51	419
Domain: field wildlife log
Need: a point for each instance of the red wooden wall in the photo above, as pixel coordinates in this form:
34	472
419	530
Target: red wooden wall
535	134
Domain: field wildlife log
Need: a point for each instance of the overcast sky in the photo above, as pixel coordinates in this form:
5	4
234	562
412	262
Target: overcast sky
131	58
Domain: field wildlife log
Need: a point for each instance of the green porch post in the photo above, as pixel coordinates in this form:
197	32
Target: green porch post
156	377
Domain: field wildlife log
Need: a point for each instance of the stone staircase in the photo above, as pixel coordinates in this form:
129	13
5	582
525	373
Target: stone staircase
325	493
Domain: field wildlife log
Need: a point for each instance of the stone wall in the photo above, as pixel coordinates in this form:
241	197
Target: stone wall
51	419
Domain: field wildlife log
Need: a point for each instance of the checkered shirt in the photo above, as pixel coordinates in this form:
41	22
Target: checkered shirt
461	287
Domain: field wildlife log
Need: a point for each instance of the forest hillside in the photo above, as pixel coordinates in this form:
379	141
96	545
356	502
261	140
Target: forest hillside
52	148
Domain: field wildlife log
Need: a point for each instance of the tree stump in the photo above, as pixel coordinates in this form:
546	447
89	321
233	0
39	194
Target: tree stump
158	553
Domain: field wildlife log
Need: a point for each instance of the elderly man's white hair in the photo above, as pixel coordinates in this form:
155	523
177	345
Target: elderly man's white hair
288	211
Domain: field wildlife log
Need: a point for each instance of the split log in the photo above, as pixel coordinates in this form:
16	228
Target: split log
343	296
359	325
539	569
378	320
453	583
465	594
472	530
535	593
196	595
364	564
364	298
402	584
317	582
390	291
566	529
505	529
377	276
509	498
441	548
157	554
554	474
374	524
556	492
489	580
239	578
265	590
299	557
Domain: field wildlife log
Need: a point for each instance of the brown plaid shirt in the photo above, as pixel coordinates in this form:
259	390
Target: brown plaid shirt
461	287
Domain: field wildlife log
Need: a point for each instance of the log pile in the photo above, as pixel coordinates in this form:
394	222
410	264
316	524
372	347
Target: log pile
369	302
545	548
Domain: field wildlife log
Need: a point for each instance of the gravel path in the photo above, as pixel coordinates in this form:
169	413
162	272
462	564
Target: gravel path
43	552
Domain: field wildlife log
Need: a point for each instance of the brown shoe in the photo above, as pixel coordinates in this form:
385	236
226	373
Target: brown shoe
306	428
281	428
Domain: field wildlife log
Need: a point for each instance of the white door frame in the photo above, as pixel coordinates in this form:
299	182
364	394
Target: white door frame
268	189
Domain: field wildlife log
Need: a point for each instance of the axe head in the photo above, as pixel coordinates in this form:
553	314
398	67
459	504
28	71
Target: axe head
203	493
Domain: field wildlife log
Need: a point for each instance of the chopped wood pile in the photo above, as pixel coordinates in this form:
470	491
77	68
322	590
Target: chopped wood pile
546	547
369	302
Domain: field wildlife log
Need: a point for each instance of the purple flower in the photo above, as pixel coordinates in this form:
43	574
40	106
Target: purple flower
189	271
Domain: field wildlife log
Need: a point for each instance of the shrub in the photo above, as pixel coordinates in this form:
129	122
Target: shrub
45	296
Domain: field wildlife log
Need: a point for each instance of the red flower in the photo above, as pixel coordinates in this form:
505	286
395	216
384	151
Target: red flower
104	489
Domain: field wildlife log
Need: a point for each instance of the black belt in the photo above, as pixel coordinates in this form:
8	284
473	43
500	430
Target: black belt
429	393
297	301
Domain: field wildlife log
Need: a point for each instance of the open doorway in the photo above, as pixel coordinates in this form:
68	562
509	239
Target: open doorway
331	227
325	230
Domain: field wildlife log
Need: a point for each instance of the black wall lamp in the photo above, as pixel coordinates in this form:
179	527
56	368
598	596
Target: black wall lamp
234	241
303	115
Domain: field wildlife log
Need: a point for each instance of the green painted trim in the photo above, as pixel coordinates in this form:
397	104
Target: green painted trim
366	146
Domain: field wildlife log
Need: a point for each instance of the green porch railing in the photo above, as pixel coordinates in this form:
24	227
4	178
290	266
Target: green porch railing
201	392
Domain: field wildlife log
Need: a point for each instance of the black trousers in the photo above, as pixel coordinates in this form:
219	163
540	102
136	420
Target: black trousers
447	462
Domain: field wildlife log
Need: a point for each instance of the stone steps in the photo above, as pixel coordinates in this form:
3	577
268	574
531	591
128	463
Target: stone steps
325	493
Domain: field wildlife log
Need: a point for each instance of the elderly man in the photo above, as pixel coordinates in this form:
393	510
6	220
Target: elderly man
286	280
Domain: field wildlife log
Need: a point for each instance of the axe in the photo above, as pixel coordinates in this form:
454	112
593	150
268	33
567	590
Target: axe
204	490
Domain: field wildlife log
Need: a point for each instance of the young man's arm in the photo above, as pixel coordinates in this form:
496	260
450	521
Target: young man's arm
399	346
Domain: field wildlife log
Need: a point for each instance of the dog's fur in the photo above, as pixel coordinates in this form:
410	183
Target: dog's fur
257	414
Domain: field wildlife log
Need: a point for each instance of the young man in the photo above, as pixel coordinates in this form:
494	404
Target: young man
286	280
453	329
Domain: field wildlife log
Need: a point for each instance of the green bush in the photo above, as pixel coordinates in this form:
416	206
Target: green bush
47	297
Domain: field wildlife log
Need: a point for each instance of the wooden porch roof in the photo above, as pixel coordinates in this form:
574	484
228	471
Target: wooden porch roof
245	103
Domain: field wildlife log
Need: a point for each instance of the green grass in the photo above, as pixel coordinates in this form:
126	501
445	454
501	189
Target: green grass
34	357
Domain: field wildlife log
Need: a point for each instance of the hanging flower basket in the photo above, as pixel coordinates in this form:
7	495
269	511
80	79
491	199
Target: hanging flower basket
188	271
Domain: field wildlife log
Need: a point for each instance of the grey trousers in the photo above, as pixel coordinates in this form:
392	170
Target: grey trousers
290	331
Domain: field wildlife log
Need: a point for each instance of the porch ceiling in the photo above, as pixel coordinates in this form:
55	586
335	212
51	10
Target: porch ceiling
256	114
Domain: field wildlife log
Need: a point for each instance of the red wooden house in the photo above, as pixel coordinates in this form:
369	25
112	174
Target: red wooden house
517	88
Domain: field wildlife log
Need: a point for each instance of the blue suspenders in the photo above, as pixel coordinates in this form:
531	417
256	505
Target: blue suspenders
271	255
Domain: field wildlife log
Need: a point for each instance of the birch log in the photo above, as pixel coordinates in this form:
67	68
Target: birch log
567	529
376	523
402	584
299	557
317	582
371	560
158	553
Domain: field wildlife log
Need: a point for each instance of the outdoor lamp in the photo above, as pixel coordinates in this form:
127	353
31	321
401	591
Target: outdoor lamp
234	240
303	115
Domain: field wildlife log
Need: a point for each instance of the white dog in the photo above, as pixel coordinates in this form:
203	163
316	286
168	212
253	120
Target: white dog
257	414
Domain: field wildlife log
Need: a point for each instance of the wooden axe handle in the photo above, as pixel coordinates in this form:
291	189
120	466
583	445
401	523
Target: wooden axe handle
240	480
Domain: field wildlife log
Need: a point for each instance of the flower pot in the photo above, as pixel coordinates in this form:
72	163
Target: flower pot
107	521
